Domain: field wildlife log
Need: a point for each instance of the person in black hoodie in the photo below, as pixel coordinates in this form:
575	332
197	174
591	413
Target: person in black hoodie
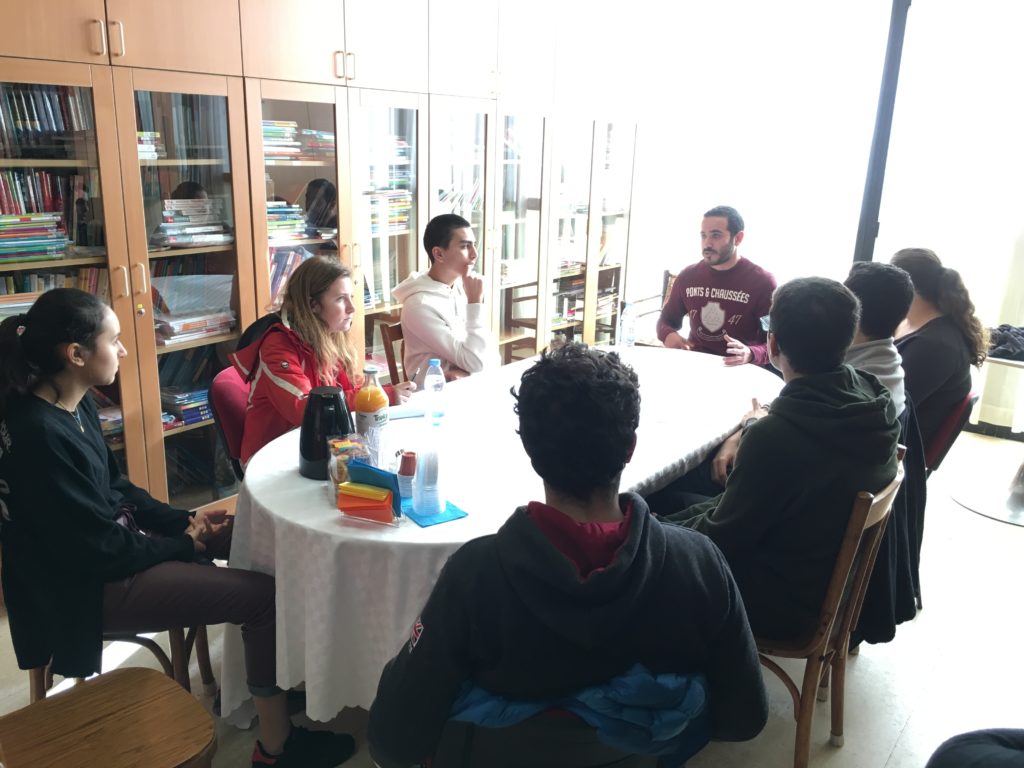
831	433
574	591
86	551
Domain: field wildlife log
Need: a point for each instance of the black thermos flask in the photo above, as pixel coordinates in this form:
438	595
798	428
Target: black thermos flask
326	414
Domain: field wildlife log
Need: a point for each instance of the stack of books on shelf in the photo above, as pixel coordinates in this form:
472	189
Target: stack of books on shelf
32	237
285	221
283	262
111	418
176	328
90	279
569	267
192	224
36	120
317	144
151	146
390	212
184	406
280	140
607	302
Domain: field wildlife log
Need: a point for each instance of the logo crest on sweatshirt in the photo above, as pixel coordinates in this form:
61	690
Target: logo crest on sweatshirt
414	636
712	316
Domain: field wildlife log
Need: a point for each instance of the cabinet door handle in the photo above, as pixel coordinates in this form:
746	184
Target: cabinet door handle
124	272
120	29
339	56
349	56
103	36
142	277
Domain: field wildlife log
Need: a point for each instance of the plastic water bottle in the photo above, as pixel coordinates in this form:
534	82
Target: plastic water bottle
627	325
433	387
428	496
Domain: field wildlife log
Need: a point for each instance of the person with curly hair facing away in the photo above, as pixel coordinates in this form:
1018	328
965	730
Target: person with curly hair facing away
940	339
570	595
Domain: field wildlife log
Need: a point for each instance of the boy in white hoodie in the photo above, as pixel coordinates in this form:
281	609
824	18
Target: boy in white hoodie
442	308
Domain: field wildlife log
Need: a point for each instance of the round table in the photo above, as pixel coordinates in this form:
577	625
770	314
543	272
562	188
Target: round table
348	591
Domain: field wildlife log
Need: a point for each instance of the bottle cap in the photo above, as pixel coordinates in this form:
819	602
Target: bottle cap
407	463
369	368
434	361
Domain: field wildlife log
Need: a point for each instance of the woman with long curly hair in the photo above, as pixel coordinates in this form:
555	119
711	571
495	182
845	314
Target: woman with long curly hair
940	339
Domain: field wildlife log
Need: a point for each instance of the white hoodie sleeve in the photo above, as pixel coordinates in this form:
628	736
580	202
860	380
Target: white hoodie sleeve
428	333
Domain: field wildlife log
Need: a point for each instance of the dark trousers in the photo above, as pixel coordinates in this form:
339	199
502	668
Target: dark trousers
692	488
176	594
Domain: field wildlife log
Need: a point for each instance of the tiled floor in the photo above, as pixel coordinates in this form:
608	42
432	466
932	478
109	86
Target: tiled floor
951	670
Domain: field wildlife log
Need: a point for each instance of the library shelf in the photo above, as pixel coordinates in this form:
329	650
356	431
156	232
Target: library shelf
216	338
513	336
518	284
21	162
19	266
187	427
328	163
171	252
383	309
185	162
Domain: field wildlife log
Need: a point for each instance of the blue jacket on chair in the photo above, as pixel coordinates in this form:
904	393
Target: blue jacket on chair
637	712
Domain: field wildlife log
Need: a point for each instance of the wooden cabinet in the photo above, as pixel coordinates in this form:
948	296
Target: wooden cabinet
463	142
190	263
59	170
62	30
317	54
189	194
386	44
295	130
186	35
359	43
526	52
520	227
386	204
464	47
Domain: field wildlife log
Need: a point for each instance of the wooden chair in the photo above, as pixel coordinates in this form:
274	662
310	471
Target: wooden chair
392	334
950	430
127	718
826	649
175	667
666	286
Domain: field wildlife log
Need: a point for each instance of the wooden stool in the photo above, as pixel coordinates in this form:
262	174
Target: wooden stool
127	718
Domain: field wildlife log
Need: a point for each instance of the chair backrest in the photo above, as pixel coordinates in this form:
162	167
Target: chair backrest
229	397
392	334
841	606
666	286
943	440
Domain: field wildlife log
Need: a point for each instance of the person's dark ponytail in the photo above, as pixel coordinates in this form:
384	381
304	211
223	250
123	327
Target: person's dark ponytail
944	288
30	343
14	369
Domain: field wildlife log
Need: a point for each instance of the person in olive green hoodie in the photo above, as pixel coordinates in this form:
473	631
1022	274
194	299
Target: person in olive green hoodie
830	433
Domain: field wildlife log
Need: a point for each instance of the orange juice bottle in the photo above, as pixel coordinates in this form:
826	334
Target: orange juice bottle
371	402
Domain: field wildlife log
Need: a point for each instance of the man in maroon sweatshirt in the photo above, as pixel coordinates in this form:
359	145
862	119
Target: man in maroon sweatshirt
724	295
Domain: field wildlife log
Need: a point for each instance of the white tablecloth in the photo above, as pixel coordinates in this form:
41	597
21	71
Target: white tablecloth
348	591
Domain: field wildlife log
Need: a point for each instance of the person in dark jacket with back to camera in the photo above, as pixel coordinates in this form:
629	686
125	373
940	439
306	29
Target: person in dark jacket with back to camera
75	562
570	594
831	433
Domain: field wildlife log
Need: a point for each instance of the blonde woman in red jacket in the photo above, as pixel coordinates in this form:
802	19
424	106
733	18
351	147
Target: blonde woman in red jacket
307	346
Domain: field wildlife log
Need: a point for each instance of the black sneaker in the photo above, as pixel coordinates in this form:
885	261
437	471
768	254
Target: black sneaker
307	749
